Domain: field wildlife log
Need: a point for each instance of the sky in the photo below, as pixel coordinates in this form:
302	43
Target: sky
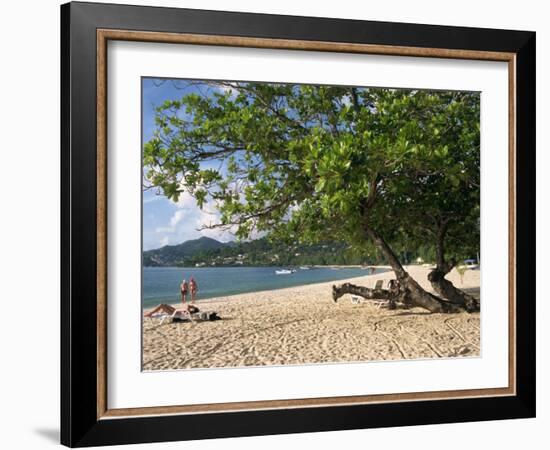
166	222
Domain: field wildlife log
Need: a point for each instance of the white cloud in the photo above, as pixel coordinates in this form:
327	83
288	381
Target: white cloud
185	200
226	89
229	89
188	221
346	100
208	217
176	218
164	230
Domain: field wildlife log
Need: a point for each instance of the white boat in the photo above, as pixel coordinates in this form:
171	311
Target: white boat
283	272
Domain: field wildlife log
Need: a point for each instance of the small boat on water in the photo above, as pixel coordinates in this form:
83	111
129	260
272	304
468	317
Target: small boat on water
283	272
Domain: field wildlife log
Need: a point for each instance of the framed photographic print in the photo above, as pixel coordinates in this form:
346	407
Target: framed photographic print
277	224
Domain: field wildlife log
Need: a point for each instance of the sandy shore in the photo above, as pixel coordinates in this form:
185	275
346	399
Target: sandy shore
302	325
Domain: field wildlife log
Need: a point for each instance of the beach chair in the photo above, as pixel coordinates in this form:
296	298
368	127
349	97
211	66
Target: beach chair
356	300
161	315
379	284
178	315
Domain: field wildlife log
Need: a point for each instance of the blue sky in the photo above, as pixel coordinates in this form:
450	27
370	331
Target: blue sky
166	222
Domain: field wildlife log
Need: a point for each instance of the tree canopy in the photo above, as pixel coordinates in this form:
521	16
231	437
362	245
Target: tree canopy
307	160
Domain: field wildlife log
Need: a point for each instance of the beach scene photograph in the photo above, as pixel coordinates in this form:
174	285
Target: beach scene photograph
293	224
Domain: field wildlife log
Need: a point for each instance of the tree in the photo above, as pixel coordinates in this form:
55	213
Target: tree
304	162
442	200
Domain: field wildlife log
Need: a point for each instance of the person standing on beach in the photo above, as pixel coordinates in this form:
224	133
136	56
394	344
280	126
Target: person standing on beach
183	291
194	288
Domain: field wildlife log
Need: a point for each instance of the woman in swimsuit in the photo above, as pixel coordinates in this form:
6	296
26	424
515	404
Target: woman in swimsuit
183	291
194	288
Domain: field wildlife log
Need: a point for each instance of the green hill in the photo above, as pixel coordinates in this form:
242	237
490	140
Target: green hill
173	255
206	252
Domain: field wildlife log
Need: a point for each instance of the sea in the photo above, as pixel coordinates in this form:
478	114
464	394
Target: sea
161	284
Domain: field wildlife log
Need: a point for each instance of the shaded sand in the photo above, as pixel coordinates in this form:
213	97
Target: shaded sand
302	325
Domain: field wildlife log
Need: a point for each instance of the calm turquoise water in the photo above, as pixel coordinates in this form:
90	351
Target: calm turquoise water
161	284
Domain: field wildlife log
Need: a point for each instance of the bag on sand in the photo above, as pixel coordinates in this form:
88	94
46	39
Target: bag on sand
205	316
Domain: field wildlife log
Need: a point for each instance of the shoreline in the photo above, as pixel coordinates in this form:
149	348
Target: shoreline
226	298
302	325
386	269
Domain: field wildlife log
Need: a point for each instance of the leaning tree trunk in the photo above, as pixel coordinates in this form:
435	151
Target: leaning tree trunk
447	290
417	296
407	290
443	286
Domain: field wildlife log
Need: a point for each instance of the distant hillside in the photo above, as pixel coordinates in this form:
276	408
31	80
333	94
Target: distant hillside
173	255
206	252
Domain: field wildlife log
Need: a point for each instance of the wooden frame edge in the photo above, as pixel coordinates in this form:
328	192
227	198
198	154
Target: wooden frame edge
289	44
103	36
303	403
512	199
101	224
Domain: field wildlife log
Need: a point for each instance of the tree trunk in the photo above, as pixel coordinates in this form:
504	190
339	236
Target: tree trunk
443	286
447	290
388	253
417	295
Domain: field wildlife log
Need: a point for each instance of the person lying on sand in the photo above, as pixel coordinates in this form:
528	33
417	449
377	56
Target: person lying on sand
170	310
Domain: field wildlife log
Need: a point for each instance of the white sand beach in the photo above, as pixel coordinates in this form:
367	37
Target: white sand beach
302	325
